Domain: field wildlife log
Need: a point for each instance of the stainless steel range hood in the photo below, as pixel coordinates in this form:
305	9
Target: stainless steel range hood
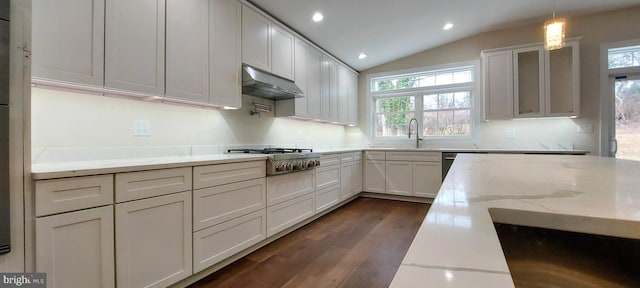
262	84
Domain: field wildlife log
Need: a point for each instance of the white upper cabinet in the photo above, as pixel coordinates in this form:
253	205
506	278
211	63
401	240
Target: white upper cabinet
325	89
498	85
188	50
343	94
563	88
256	40
225	48
526	81
208	69
134	45
314	80
353	98
301	76
266	45
68	41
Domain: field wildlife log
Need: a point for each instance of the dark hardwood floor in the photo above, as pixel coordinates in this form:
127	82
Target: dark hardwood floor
359	245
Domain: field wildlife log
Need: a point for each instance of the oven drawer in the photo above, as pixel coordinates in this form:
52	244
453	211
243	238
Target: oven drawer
215	205
287	186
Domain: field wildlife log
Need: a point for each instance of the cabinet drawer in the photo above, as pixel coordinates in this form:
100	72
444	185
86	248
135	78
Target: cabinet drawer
284	187
213	175
215	205
144	184
67	194
374	155
329	159
415	156
327	176
346	157
286	214
221	241
327	197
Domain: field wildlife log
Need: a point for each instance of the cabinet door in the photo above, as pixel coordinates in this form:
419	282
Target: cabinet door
374	176
314	78
346	180
327	176
343	94
216	243
282	45
187	45
326	198
528	82
498	85
286	214
76	249
427	177
301	78
153	241
68	41
256	40
333	91
353	99
357	177
399	177
225	49
563	80
325	90
134	45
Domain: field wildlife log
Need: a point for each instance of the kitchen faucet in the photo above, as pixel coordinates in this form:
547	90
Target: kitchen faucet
417	137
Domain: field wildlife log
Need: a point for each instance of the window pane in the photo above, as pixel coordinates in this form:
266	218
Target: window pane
395	105
428	80
462	99
462	122
445	123
624	57
444	78
445	100
430	102
462	77
430	124
392	124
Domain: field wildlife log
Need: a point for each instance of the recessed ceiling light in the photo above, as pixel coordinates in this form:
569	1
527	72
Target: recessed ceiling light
317	17
447	26
362	56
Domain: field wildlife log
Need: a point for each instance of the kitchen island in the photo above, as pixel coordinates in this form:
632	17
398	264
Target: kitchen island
457	245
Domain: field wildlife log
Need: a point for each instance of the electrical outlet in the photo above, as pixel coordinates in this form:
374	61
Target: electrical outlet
141	128
585	128
510	134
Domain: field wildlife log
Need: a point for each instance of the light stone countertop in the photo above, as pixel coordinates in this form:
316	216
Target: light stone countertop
457	245
94	167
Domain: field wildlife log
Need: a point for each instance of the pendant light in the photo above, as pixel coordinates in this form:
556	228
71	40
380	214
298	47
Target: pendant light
554	32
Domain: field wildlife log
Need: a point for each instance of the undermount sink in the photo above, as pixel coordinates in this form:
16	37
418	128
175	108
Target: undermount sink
539	257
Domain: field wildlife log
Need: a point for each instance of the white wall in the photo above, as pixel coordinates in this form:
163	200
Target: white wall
63	119
594	29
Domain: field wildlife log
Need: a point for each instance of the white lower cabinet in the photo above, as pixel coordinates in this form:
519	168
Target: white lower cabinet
357	176
427	177
399	177
327	197
216	243
76	249
288	186
154	241
374	176
286	214
346	178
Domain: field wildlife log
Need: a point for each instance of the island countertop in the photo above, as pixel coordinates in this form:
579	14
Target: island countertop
457	245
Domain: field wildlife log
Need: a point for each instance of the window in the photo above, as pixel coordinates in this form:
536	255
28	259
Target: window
440	99
624	57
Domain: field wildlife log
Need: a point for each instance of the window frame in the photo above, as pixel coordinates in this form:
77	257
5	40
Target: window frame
419	92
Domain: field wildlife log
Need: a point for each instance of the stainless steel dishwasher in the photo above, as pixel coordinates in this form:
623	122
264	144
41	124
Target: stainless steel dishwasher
447	161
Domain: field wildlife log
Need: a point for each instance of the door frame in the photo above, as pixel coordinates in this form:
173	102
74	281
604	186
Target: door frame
607	82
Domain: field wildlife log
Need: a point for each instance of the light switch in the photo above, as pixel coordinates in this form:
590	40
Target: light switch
141	128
